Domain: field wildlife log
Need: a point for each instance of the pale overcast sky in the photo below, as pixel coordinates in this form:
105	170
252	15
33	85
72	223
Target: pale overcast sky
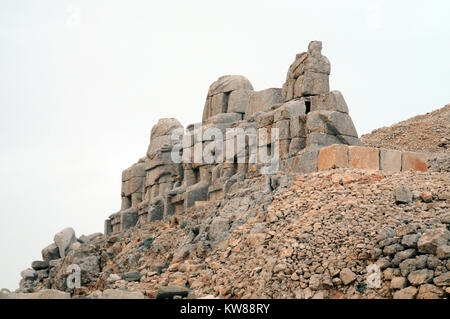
83	82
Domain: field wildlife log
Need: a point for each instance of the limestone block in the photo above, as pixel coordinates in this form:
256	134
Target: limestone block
197	192
283	148
390	160
288	89
305	162
219	104
414	161
261	101
296	145
297	126
229	118
311	83
156	209
330	122
128	218
228	83
126	203
318	64
137	170
206	110
290	110
333	156
363	157
283	129
265	119
331	101
107	227
323	139
136	198
238	101
133	185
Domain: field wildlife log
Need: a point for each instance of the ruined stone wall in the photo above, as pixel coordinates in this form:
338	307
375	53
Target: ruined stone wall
293	125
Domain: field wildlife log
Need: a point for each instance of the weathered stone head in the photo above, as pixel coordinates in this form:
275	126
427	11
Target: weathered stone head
161	135
227	95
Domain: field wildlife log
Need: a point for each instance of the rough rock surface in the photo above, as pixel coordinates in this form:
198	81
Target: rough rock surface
333	221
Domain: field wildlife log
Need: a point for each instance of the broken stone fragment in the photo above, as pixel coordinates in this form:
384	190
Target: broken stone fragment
431	239
50	252
170	291
402	194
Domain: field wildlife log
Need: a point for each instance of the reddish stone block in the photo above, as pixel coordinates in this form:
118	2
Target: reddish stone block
364	157
412	161
332	157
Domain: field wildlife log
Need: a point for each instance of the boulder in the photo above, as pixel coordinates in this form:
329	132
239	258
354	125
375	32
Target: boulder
50	252
428	291
169	292
406	293
398	283
347	276
431	239
64	239
28	274
420	277
132	276
402	194
39	265
443	251
442	280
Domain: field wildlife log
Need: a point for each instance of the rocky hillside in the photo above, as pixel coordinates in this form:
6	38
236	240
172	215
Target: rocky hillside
341	233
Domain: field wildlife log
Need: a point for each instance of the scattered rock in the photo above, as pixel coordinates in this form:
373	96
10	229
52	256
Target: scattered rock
402	194
347	276
406	293
420	277
168	292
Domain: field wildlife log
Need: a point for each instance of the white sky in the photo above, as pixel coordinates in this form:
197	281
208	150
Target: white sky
83	82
